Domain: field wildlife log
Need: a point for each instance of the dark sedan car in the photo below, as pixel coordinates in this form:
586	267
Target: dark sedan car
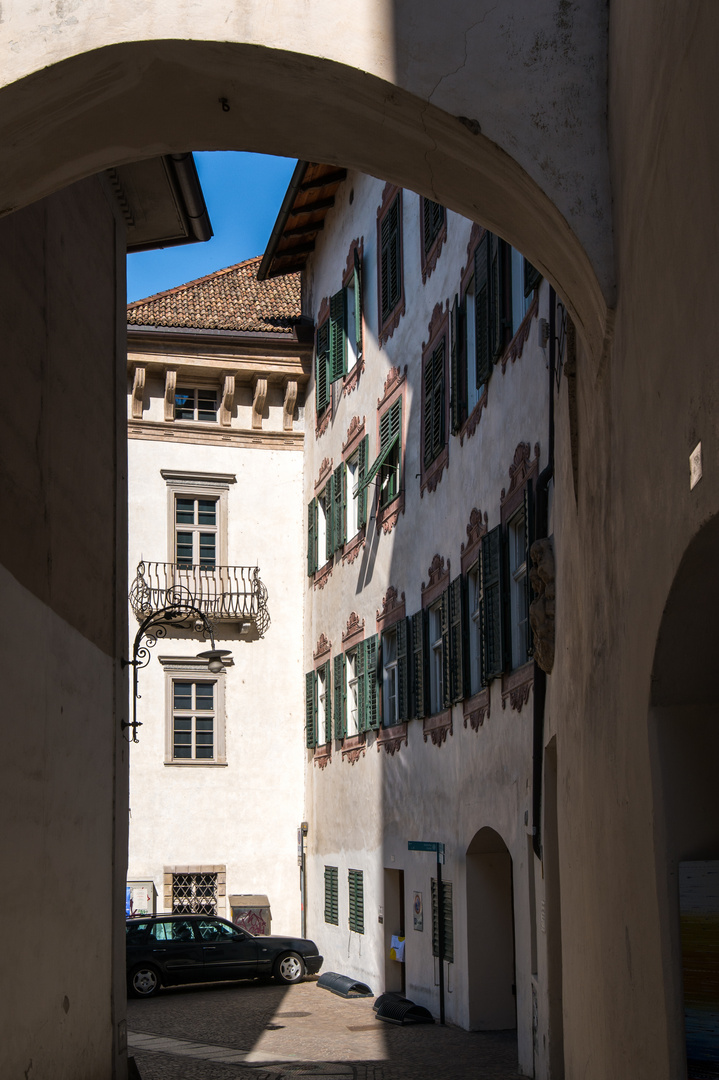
165	950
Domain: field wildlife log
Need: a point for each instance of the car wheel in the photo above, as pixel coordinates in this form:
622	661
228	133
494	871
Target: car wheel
289	968
144	981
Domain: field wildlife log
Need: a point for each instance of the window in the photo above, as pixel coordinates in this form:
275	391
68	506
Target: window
326	520
339	337
432	221
193	720
448	921
196	404
520	299
433	403
395	675
196	532
318	706
436	657
194	893
357	699
171	930
474	597
387	464
390	286
518	588
331	895
352	478
354	678
356	901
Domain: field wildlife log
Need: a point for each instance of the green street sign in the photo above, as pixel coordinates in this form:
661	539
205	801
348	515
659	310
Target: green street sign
425	845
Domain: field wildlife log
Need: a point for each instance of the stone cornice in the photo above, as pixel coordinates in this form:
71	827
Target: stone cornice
277	368
206	435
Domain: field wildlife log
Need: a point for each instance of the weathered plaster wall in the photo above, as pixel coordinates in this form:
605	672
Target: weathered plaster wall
62	492
380	87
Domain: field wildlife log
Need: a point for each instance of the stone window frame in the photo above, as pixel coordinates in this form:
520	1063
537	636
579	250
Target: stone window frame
194	485
190	668
167	874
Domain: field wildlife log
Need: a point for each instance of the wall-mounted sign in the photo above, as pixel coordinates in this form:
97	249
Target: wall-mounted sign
417	912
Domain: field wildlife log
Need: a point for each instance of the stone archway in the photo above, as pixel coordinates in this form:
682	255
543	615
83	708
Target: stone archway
490	933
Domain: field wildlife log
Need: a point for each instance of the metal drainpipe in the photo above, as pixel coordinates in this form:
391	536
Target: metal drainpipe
542	523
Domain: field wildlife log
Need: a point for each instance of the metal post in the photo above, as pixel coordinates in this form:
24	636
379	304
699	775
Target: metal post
440	936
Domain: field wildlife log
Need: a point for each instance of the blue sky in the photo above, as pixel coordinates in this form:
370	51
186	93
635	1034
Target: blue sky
243	193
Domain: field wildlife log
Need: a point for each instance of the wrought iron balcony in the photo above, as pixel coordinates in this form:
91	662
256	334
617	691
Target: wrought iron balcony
222	593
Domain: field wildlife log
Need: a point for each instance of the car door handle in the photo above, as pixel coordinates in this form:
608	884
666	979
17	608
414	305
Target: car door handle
159	950
209	948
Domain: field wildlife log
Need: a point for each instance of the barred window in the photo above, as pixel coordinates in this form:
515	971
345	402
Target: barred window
194	893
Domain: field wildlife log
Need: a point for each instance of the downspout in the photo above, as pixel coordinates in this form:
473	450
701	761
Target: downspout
542	529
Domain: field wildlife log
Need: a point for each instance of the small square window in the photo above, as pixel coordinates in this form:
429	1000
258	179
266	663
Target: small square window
199	405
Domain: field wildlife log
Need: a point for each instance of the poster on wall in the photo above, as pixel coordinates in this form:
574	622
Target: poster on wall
417	912
699	915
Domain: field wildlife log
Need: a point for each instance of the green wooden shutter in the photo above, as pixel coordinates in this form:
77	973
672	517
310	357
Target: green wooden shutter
481	311
455	398
448	914
356	901
327	498
322	382
419	681
371	682
340	696
331	895
446	670
311	709
390	261
358	304
361	688
338	335
427	223
456	639
361	473
327	733
493	618
312	512
532	277
339	510
529	540
402	671
499	320
434	404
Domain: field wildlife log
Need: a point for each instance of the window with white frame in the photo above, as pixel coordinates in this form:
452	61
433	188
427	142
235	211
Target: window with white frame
520	300
196	403
518	584
324	509
390	697
197	521
196	524
193	720
353	496
474	595
435	658
324	715
353	680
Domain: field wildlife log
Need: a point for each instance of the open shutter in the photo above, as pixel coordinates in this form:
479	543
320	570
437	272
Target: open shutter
311	709
439	400
339	513
361	473
311	536
326	735
371	682
358	304
455	399
340	696
427	223
481	310
402	671
419	681
361	688
456	638
322	382
446	670
493	649
328	501
498	314
338	335
529	539
532	278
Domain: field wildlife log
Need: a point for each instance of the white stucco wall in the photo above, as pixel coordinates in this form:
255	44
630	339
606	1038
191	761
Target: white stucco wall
242	815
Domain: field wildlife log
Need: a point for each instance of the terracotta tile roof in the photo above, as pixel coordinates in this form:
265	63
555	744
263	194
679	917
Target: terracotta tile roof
230	299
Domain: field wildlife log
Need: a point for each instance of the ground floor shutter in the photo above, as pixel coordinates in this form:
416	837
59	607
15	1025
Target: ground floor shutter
448	915
331	895
356	901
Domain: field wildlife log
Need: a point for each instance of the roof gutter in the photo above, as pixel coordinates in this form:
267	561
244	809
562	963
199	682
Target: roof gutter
287	203
194	201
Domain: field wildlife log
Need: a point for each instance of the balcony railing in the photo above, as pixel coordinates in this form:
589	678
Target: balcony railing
224	593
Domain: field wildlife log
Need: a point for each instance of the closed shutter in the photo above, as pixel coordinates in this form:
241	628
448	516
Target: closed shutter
339	514
331	895
434	404
312	536
356	901
419	681
493	590
322	373
358	304
446	670
371	682
481	310
455	398
362	455
340	696
311	709
402	671
532	277
456	639
498	314
448	914
433	216
529	539
390	262
338	336
361	688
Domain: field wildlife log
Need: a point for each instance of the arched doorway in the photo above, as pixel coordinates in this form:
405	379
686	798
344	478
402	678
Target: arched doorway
490	934
684	737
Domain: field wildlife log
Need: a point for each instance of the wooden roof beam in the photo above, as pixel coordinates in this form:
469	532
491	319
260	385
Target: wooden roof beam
323	181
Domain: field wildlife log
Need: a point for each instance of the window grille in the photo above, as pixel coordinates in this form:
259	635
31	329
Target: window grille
195	893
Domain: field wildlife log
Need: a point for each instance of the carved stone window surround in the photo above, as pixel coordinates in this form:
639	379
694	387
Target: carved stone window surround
322	653
354	545
438	581
436	727
393	609
438	328
388	327
323	575
476	529
516	346
391	738
354	632
322	755
355	435
516	686
521	470
471	424
353	747
324	474
476	709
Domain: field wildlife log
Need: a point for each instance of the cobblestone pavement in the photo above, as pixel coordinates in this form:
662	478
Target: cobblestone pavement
261	1031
